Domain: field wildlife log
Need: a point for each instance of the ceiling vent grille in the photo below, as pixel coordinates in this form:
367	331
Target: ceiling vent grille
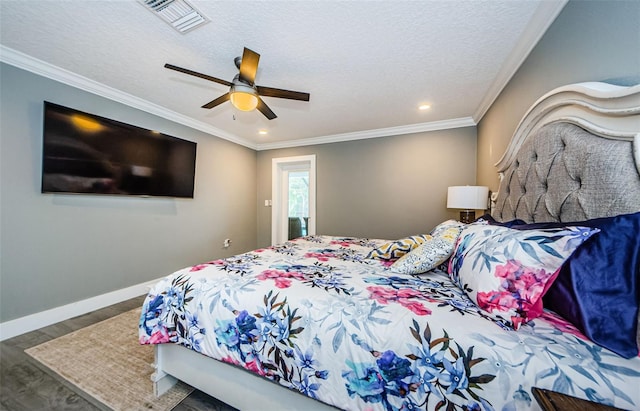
179	14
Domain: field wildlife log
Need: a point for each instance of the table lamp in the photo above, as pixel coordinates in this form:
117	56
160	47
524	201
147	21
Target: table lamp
468	199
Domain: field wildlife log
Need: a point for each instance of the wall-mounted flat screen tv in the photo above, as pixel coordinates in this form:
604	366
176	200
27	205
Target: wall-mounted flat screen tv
85	153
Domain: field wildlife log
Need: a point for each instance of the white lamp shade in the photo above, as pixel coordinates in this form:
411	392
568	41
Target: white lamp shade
243	96
468	197
244	101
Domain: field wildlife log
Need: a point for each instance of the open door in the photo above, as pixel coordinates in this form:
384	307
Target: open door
294	198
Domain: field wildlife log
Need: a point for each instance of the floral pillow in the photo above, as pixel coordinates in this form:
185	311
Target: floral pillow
396	249
429	254
506	272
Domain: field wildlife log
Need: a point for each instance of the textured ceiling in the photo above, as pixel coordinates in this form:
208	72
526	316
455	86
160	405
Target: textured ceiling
367	65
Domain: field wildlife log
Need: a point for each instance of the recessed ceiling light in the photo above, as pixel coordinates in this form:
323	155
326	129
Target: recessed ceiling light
262	132
424	106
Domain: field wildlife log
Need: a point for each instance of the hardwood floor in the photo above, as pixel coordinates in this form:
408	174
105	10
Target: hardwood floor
24	386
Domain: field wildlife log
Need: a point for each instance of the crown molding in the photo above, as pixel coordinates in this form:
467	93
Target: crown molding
380	132
544	16
36	66
39	67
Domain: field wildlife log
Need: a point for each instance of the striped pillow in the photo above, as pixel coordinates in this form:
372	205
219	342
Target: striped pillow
396	249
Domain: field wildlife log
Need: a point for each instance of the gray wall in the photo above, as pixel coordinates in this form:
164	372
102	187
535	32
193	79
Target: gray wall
589	41
379	188
58	249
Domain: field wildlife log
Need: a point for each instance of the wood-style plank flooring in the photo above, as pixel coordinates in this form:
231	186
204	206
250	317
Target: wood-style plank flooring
24	386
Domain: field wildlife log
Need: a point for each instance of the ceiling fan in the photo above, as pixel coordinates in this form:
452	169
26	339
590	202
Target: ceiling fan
244	94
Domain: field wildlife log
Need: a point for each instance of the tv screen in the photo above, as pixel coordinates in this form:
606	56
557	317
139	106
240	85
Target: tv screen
85	153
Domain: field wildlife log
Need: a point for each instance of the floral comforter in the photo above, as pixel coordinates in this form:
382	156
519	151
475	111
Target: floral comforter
317	316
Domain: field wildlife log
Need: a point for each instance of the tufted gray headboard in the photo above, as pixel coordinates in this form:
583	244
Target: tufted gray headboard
574	156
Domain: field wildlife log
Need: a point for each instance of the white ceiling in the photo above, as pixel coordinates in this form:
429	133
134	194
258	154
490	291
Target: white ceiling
366	64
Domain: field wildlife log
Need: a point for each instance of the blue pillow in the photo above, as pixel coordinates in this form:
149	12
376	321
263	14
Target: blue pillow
598	287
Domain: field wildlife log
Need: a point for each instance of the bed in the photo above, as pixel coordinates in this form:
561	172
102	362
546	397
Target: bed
543	292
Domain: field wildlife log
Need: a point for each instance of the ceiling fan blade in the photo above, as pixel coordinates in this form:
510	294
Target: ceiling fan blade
264	109
249	66
194	73
218	101
279	93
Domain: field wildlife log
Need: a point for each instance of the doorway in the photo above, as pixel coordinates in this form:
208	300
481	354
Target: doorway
294	198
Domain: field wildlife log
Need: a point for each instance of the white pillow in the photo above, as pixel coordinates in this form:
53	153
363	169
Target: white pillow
444	226
431	253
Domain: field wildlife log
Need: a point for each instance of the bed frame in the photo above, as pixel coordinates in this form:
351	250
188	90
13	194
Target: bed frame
595	174
574	156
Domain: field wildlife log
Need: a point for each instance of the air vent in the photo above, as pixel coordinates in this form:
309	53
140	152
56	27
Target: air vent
181	15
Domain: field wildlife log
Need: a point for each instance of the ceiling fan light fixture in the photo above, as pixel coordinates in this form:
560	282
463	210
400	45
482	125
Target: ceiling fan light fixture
244	94
244	98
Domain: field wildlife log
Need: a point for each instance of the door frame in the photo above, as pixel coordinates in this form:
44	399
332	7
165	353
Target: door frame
280	168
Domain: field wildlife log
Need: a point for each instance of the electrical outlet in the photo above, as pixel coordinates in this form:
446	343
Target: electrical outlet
226	243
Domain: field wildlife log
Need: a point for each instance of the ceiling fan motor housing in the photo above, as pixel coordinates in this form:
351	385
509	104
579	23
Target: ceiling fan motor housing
237	61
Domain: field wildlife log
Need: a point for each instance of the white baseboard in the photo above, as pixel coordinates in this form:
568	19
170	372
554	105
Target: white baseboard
10	329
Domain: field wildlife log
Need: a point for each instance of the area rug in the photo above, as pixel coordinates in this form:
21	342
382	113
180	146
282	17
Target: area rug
106	362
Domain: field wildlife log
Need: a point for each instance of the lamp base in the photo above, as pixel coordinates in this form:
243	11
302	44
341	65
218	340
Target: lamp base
467	216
